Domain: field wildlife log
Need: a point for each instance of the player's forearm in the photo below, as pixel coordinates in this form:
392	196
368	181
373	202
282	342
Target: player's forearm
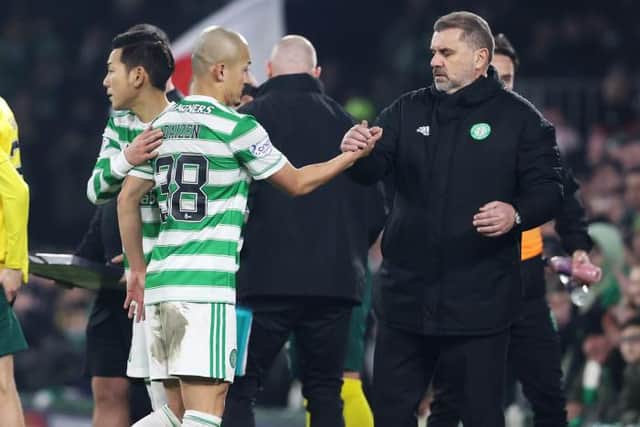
130	224
310	177
106	179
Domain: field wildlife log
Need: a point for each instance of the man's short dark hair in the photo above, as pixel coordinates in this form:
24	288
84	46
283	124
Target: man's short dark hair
151	29
475	30
147	46
504	47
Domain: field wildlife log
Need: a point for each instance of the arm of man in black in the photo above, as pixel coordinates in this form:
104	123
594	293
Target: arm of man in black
539	174
380	162
378	213
571	221
91	246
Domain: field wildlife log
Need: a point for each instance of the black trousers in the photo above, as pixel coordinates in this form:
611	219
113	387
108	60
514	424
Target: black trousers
108	344
404	364
320	327
534	355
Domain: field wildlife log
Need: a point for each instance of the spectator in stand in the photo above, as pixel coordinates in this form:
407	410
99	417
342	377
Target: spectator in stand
620	123
629	410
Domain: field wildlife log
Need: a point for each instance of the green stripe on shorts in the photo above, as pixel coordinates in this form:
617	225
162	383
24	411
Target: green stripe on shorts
213	308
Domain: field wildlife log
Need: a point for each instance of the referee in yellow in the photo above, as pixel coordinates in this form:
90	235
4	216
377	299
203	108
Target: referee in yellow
14	215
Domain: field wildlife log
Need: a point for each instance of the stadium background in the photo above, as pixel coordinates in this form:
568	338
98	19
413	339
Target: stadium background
578	64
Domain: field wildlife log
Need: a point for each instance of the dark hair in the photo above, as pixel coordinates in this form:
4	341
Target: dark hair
146	46
474	29
504	47
151	29
634	321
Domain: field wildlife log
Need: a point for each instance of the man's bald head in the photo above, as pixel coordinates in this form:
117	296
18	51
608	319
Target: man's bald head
217	45
291	55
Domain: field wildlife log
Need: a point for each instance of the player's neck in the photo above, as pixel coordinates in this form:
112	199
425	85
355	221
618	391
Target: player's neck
200	87
149	105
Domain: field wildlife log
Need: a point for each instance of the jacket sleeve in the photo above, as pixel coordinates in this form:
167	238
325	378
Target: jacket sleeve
571	221
110	169
91	246
539	182
14	193
380	161
377	212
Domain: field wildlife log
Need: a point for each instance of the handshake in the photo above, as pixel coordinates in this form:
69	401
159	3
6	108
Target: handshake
361	139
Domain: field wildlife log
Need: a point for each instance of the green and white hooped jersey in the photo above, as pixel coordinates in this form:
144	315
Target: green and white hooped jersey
112	167
202	173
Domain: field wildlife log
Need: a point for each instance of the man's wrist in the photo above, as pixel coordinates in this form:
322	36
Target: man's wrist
120	165
517	219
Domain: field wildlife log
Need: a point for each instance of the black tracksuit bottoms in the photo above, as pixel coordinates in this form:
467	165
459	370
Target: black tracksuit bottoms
404	364
321	328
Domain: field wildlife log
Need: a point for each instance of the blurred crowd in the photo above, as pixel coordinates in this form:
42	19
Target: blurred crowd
52	61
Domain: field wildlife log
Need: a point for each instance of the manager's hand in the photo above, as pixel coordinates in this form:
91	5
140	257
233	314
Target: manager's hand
494	219
360	137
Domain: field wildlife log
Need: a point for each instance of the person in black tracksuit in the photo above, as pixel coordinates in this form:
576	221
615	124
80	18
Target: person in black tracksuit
303	261
534	348
472	165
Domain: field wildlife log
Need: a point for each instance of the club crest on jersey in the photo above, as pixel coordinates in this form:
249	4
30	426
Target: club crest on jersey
262	148
480	131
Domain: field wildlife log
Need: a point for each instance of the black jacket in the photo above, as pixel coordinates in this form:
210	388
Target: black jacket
571	221
571	226
448	155
101	243
315	245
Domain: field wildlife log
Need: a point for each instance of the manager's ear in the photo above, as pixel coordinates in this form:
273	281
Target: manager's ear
481	58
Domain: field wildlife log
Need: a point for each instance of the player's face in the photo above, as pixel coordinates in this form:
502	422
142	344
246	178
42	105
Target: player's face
120	89
505	68
236	76
453	64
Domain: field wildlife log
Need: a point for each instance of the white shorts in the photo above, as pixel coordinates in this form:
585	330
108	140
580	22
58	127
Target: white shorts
188	339
138	362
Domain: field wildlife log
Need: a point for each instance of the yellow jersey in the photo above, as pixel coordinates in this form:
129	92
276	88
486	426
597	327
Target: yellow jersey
14	197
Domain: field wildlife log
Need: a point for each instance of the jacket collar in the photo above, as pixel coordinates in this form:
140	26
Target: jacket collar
448	107
479	90
291	83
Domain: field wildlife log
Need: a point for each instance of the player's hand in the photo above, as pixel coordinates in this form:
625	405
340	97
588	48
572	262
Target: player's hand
11	280
143	147
134	302
356	138
376	134
494	219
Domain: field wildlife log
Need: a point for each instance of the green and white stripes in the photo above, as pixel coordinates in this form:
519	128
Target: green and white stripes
111	166
218	341
202	173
